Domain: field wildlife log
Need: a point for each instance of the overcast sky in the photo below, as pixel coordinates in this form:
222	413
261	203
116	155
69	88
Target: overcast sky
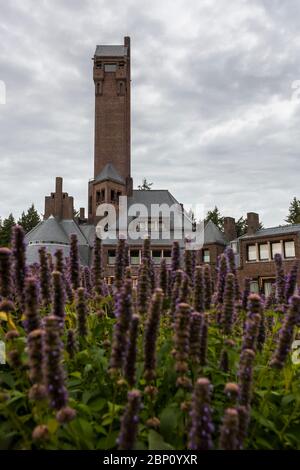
214	116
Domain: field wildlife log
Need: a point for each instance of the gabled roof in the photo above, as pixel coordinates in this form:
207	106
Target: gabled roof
110	173
280	230
48	230
153	196
212	234
111	51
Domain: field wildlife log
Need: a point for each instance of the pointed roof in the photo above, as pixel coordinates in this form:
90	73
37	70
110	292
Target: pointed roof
110	173
48	230
212	234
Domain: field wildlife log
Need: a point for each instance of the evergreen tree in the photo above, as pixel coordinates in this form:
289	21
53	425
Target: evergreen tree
6	230
30	219
215	217
294	212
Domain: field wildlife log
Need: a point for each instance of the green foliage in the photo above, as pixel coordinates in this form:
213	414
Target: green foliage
6	230
293	216
215	217
29	219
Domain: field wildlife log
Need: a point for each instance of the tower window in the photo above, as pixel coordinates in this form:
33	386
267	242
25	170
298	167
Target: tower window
110	67
102	194
112	195
121	88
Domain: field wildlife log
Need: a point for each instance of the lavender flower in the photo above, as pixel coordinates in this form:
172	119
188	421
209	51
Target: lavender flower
151	332
221	278
251	331
203	340
196	320
200	435
59	261
245	376
144	288
244	419
74	269
50	262
163	277
207	287
199	290
246	293
19	262
232	269
189	264
129	421
5	273
71	343
184	291
58	307
97	265
175	260
32	315
35	348
181	342
120	332
130	361
45	277
54	373
291	282
119	264
280	279
81	309
228	308
231	391
229	430
87	283
176	289
286	333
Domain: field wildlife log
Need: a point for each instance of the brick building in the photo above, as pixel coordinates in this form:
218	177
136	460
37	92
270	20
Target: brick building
112	179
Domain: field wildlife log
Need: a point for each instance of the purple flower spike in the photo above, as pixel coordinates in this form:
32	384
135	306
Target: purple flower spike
129	421
200	435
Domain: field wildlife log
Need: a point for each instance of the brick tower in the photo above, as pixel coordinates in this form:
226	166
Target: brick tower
112	173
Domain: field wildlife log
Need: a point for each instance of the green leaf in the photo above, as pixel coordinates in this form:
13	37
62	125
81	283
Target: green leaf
168	420
156	441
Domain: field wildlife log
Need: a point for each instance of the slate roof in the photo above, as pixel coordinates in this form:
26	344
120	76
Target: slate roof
109	173
213	235
280	230
48	230
111	51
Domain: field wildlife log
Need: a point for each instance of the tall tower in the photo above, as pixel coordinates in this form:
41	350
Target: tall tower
112	172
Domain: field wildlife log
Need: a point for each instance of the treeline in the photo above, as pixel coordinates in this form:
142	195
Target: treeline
28	220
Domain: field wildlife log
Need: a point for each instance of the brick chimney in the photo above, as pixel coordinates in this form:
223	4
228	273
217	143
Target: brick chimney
59	204
229	228
252	223
81	213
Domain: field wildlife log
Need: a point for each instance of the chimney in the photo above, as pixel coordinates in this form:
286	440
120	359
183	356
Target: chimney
229	228
58	185
81	213
252	223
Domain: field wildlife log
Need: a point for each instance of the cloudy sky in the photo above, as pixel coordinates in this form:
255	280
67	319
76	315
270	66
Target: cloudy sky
215	117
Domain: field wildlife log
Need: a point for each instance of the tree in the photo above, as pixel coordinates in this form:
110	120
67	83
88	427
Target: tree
30	219
6	230
215	217
146	185
294	212
241	226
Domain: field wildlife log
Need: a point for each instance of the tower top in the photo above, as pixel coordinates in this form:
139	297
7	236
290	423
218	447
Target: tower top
114	50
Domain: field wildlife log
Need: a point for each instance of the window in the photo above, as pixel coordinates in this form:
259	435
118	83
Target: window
251	252
276	248
98	197
168	256
110	67
206	256
156	256
254	287
112	195
267	286
111	257
134	257
289	249
263	251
